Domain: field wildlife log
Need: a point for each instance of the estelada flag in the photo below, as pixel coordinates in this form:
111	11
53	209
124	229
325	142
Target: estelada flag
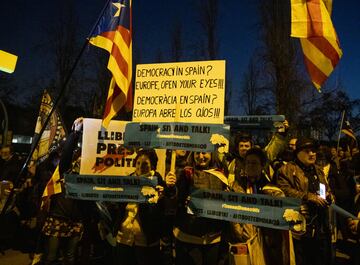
53	134
52	187
114	34
346	129
311	22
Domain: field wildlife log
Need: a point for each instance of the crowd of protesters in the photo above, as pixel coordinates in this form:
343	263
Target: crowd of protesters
69	231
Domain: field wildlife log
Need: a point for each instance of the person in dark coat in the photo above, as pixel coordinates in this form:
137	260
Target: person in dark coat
11	164
198	240
303	179
139	225
64	224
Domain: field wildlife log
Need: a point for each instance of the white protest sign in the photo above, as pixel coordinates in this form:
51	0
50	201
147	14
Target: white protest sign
180	92
102	152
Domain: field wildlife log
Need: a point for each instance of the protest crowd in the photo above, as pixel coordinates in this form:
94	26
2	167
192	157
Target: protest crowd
286	200
63	230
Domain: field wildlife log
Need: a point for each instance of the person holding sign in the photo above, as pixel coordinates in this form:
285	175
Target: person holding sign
353	248
197	239
243	143
138	235
303	179
169	201
64	224
259	246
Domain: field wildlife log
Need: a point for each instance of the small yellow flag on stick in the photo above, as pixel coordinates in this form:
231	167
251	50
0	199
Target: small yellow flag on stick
52	187
7	62
311	22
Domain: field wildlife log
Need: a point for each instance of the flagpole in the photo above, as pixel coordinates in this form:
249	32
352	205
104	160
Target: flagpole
341	124
56	103
6	121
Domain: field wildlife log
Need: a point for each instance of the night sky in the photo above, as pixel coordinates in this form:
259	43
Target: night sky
23	30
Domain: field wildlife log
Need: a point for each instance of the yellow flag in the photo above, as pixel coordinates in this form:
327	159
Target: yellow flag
7	62
52	187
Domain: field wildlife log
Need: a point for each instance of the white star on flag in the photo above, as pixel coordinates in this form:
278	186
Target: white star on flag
118	6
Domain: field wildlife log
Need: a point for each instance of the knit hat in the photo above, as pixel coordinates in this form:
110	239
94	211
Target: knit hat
303	143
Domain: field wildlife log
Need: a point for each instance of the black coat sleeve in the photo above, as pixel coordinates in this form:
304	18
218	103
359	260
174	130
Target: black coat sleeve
67	153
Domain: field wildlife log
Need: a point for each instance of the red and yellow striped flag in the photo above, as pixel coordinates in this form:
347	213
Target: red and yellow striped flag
114	34
52	187
311	22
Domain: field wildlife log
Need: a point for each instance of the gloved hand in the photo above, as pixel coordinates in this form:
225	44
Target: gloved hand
316	199
77	125
170	179
353	225
282	127
304	210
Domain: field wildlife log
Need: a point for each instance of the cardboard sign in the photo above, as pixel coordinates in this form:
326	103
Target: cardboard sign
185	136
103	152
261	210
112	188
254	121
180	92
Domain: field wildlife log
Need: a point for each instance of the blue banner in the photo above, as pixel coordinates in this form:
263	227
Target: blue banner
186	136
261	210
343	212
111	188
254	121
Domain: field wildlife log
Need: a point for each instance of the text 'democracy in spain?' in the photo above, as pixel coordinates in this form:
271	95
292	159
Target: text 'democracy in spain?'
187	91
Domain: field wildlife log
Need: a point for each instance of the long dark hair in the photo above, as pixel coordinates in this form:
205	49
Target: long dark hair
151	154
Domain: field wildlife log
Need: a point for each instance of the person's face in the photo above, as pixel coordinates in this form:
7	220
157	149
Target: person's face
347	153
253	167
202	159
142	166
333	151
357	188
243	148
307	156
341	153
354	151
321	161
292	144
5	153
